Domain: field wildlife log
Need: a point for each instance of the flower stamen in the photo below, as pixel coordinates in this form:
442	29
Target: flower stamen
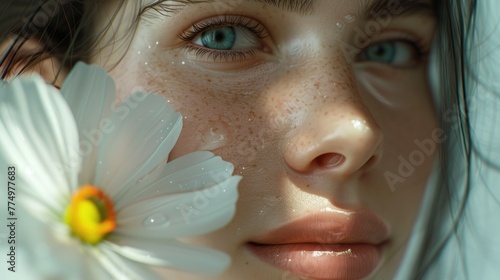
90	215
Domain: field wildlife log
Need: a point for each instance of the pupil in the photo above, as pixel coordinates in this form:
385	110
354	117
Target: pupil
380	51
383	52
219	36
222	38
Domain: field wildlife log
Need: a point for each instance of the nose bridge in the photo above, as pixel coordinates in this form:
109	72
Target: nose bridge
327	74
329	80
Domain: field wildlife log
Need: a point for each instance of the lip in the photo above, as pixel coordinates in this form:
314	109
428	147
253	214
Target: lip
338	245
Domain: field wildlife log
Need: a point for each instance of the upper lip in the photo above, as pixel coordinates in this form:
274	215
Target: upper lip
356	227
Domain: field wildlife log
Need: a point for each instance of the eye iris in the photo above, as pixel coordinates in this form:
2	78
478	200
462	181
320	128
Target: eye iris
222	38
384	52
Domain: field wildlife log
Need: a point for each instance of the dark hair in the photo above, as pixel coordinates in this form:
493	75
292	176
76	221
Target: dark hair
56	23
451	197
66	31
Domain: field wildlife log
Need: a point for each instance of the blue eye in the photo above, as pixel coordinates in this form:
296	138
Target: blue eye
384	52
399	53
222	38
225	38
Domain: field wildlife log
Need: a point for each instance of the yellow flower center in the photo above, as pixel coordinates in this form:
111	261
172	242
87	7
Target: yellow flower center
90	215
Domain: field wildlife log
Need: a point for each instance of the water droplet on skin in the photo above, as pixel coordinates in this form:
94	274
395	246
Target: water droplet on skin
350	18
340	25
214	139
272	200
156	220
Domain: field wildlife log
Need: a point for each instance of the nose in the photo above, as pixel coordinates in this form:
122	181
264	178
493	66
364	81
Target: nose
339	136
343	144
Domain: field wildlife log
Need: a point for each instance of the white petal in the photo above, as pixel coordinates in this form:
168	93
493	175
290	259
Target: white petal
40	139
195	171
172	254
92	267
36	239
179	215
139	141
38	208
90	93
120	267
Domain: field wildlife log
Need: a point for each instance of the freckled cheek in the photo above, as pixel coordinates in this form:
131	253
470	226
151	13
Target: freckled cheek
236	119
226	124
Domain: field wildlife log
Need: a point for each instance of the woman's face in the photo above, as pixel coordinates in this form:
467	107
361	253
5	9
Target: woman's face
324	109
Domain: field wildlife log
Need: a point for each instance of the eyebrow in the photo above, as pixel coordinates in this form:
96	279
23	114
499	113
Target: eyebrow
296	6
400	8
376	8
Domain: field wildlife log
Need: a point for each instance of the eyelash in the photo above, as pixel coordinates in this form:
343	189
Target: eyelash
421	49
196	29
257	29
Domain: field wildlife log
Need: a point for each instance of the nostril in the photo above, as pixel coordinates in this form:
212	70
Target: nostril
330	160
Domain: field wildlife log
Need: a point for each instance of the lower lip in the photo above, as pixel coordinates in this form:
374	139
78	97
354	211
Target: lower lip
321	261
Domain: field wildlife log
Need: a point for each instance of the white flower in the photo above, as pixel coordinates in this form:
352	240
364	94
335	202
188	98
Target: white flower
94	196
